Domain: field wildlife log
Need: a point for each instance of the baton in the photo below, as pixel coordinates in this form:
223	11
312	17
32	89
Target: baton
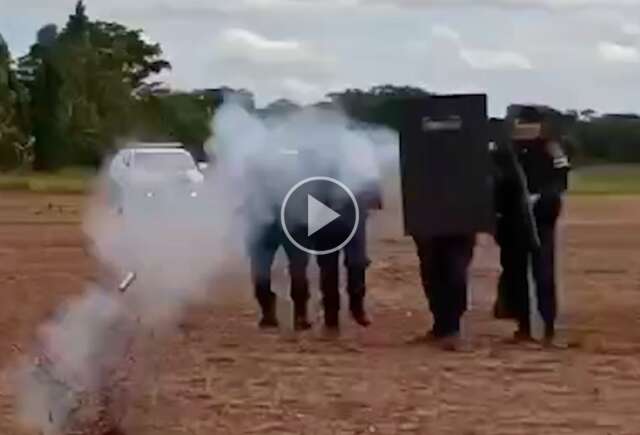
530	216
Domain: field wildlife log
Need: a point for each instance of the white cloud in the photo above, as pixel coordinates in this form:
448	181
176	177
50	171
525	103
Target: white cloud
495	60
631	29
273	68
445	32
301	90
301	48
247	43
617	53
298	3
248	46
509	4
481	59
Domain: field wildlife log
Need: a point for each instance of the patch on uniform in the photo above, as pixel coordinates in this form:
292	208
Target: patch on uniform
561	162
451	124
560	159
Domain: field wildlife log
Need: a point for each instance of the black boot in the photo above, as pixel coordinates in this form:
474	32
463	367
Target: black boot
523	333
356	288
267	301
358	311
331	319
329	285
549	335
300	321
268	321
331	324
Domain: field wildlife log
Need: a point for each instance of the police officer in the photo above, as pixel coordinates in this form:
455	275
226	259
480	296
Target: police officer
271	180
356	262
527	236
446	187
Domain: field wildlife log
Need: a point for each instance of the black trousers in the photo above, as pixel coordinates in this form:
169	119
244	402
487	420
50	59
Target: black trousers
263	247
523	267
444	265
356	262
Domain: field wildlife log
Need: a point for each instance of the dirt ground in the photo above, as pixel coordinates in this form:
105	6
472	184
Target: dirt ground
217	374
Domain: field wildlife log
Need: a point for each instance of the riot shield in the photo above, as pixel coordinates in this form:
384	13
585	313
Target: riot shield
446	166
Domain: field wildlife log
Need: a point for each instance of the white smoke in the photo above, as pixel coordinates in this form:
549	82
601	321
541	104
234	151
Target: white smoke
179	244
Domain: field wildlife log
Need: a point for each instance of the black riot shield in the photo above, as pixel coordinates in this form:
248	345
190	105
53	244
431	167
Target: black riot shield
446	166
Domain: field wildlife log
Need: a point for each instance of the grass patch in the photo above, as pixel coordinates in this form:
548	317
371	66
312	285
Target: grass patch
606	180
588	180
65	181
13	182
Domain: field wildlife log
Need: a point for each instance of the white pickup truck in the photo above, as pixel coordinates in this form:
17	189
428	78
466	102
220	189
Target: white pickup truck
143	171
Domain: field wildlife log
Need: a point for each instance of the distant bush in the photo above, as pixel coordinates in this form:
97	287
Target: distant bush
611	140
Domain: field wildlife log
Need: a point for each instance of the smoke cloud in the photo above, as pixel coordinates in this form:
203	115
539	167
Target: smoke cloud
178	244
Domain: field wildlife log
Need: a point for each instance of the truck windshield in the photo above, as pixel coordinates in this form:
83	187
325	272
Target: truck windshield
164	162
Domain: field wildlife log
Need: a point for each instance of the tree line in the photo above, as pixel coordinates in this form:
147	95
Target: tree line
82	90
589	137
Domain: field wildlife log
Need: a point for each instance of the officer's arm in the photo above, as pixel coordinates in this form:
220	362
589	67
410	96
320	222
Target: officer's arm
561	168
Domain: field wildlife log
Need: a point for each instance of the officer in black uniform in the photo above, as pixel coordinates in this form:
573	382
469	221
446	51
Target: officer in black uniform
446	187
266	236
529	202
356	261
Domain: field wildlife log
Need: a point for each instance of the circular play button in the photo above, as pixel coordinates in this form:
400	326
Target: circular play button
320	215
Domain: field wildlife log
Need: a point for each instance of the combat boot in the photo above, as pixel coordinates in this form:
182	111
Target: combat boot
329	285
331	319
358	312
357	289
550	340
300	320
523	333
269	319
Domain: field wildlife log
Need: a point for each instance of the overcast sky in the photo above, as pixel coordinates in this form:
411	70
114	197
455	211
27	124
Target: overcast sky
567	53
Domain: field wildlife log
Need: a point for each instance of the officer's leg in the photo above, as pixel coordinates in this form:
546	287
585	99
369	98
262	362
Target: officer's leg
298	262
263	249
458	253
356	262
504	306
517	282
544	275
330	288
505	303
431	273
513	282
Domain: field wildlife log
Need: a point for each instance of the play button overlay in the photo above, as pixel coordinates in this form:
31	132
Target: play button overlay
320	215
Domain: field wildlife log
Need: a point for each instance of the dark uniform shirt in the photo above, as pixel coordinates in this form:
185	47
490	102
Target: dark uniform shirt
546	169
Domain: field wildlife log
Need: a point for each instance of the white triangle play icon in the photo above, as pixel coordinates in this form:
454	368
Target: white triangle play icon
318	215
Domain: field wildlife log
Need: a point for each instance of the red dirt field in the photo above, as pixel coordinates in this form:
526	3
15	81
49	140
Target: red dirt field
217	374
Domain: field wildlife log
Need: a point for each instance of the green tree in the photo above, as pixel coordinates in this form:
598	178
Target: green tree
378	105
39	73
84	82
14	142
129	52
